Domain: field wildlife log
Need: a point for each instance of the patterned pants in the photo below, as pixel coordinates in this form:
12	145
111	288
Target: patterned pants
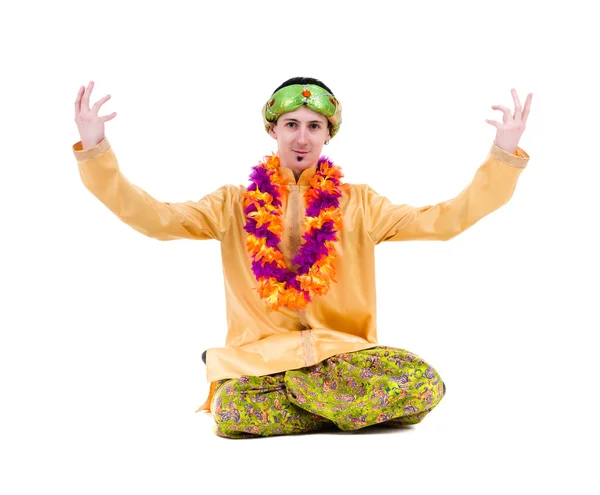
382	385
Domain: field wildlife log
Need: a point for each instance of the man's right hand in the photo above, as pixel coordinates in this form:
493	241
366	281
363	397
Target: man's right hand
90	126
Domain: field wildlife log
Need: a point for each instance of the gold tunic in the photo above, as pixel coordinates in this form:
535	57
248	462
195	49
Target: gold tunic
259	341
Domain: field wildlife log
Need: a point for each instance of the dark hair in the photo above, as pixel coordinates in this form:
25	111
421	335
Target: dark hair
303	80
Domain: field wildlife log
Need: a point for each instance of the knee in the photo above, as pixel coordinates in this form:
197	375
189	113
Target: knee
434	385
429	394
228	412
224	408
441	392
438	392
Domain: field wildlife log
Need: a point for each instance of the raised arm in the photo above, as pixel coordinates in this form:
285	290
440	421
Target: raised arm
207	218
492	186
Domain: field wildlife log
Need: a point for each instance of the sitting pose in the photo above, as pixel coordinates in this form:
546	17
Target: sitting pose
297	243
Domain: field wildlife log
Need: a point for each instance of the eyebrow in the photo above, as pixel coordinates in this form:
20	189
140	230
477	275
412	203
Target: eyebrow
310	122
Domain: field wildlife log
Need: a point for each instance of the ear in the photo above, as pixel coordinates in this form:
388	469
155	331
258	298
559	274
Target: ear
273	130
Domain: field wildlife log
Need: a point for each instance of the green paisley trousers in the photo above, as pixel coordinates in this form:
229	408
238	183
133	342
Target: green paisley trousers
382	385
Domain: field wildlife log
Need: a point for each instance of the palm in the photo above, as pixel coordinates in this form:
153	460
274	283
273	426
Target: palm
509	131
89	124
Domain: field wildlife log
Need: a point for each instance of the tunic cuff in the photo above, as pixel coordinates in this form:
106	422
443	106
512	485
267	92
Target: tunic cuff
519	159
81	154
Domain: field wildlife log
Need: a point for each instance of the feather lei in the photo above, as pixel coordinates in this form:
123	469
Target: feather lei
278	285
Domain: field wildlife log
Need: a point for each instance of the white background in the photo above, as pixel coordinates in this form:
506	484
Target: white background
102	329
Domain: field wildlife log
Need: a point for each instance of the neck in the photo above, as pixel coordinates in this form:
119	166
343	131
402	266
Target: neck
297	171
296	167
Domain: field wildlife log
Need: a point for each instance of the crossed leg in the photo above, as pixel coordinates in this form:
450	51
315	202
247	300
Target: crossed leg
350	391
252	406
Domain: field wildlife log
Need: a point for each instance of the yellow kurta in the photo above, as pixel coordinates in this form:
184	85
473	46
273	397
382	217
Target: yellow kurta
259	341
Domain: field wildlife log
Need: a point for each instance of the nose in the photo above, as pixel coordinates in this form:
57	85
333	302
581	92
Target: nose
301	136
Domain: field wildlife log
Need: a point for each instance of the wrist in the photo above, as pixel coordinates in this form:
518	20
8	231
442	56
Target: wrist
512	149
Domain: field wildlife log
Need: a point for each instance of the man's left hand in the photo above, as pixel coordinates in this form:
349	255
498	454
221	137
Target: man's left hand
509	132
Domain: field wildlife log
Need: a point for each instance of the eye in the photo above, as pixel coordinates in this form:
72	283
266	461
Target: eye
290	124
315	126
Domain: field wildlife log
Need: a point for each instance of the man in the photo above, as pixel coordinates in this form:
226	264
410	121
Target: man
301	352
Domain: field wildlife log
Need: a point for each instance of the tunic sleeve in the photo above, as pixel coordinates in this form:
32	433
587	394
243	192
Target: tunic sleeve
492	186
207	218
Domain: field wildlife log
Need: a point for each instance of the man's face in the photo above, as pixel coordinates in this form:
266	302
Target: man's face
300	137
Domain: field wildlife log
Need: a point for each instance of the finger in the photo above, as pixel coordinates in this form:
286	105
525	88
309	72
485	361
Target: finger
99	103
517	114
526	108
78	100
505	111
494	123
85	101
108	117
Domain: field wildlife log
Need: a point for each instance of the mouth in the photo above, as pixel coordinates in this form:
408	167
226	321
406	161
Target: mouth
300	154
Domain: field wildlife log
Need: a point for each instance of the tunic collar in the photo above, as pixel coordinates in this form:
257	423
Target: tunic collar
303	180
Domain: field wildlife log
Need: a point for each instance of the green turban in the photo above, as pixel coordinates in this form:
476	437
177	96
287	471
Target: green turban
290	98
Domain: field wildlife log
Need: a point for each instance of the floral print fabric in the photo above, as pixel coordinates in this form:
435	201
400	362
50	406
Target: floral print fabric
349	391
